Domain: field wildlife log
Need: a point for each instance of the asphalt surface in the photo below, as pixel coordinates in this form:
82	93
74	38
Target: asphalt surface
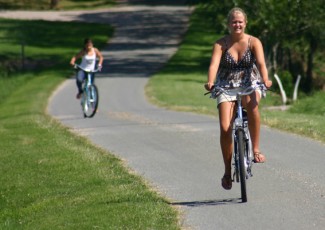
178	153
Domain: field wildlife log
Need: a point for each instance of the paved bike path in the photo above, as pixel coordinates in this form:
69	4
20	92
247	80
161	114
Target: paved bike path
178	153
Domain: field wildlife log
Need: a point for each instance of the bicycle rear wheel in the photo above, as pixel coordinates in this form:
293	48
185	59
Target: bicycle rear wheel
242	168
90	101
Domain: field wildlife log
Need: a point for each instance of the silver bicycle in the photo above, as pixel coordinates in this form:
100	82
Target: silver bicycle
242	153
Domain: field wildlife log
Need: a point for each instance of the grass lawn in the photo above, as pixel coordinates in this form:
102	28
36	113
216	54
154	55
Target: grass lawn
50	178
63	4
179	86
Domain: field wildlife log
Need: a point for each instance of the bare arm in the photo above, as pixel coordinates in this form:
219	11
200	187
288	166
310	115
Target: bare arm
76	57
214	65
257	49
100	56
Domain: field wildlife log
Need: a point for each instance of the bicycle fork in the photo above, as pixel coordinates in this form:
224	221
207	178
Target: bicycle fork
84	101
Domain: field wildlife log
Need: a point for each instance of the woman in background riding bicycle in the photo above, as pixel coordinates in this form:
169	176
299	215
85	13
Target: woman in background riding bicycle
89	55
237	61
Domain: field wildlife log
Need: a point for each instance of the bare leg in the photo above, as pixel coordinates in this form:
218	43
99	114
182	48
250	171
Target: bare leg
226	116
251	104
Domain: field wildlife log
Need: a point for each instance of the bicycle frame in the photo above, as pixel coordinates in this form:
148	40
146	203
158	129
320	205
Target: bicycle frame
89	80
242	152
241	123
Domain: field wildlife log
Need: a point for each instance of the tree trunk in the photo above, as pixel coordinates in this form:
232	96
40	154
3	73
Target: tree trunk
309	71
275	56
54	4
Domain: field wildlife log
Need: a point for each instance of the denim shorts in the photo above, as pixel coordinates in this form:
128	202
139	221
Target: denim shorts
230	95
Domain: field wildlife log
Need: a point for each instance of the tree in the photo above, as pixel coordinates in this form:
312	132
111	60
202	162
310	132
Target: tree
54	4
292	31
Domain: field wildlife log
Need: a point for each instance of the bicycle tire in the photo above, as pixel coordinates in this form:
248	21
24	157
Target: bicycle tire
236	161
90	101
242	168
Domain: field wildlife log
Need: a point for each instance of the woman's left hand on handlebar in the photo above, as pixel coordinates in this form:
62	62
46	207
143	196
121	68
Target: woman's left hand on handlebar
208	86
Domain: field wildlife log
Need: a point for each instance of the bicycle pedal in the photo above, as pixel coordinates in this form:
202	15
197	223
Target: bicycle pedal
248	176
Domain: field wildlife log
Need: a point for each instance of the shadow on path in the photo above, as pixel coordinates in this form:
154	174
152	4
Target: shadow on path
144	38
153	2
208	202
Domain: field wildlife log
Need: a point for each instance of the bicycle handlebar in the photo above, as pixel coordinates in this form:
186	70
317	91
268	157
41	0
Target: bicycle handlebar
216	90
76	66
251	89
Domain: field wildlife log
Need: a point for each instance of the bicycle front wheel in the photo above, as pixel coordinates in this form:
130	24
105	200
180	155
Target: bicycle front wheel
90	101
242	168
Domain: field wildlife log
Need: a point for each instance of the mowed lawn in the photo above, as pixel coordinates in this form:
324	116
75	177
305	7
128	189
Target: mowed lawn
51	178
62	4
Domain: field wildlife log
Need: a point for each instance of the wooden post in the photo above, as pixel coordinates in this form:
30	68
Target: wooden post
54	4
295	92
283	93
22	54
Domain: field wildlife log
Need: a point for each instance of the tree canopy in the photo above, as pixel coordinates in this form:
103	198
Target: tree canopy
292	32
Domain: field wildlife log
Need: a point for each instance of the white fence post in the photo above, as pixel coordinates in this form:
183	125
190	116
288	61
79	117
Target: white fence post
295	92
283	93
22	54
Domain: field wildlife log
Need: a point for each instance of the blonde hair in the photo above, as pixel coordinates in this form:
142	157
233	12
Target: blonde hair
234	11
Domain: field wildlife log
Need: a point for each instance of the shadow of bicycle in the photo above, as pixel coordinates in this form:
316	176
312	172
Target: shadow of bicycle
207	202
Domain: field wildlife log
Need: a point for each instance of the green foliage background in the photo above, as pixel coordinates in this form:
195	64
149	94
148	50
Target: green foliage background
179	86
292	32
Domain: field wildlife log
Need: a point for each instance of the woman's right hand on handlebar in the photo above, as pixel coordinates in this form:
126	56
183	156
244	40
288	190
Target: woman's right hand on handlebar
268	84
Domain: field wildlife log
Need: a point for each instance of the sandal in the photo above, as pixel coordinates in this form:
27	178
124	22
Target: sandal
78	95
259	157
226	182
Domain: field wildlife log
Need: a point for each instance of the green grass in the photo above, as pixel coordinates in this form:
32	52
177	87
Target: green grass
63	4
43	45
179	86
51	178
313	105
85	4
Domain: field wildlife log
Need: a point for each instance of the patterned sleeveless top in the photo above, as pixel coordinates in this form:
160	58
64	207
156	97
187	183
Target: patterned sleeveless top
243	73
